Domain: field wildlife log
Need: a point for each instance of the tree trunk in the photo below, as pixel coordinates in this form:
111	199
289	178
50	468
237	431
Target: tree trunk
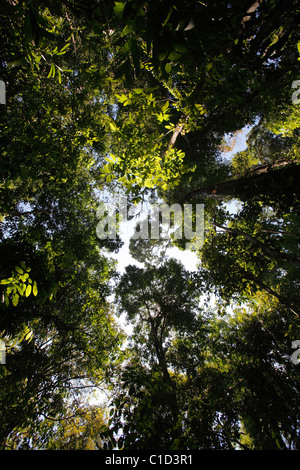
279	181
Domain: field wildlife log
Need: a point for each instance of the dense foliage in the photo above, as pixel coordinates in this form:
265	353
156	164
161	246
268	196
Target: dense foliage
144	98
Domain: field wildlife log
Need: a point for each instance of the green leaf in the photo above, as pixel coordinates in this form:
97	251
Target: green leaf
28	334
128	28
52	71
15	300
113	158
174	55
168	16
6	281
64	49
165	106
122	98
35	289
200	108
19	270
160	117
118	9
112	126
20	290
28	290
162	55
168	67
138	91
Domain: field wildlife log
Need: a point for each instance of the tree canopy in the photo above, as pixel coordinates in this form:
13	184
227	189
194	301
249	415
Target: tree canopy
147	99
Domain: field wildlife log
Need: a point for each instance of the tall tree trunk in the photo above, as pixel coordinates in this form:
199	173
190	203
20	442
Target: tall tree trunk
277	181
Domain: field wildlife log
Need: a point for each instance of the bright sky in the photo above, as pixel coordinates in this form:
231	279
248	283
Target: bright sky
188	258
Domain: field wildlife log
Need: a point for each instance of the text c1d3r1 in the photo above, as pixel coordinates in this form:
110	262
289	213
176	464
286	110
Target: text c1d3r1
153	459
